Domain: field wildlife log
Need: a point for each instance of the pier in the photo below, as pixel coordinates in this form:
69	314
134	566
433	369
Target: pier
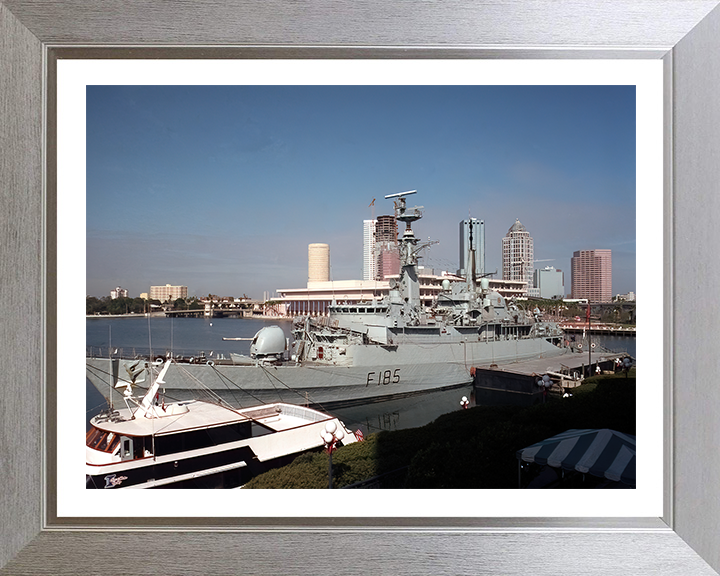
598	328
567	371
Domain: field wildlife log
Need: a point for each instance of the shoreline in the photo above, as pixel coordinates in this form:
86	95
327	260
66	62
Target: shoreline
163	315
147	315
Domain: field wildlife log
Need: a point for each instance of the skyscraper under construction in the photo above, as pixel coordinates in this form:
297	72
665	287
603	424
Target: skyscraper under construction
380	248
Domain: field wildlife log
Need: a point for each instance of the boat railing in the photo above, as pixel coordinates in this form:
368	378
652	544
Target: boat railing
302	412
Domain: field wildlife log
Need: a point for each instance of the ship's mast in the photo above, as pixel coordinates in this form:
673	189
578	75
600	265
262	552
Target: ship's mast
410	284
470	272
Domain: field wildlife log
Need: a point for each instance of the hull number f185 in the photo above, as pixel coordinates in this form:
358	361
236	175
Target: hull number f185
384	378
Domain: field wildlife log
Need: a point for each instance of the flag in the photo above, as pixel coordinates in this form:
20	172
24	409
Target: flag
359	435
587	314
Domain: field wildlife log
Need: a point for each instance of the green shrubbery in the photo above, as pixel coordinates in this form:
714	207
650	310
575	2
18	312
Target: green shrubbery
472	448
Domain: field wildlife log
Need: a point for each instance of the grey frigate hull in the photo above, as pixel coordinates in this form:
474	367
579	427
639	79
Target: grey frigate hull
372	373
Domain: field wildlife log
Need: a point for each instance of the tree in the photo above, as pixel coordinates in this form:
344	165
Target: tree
94	305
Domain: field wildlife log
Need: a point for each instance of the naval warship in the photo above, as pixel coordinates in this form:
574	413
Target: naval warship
379	349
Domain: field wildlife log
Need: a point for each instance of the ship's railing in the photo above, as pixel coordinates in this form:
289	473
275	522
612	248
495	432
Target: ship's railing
140	353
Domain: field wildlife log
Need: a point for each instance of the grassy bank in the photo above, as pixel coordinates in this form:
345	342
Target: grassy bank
472	448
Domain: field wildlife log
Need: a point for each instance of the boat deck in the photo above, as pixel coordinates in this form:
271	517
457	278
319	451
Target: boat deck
277	417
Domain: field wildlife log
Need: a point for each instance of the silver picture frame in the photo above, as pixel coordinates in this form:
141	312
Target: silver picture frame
684	34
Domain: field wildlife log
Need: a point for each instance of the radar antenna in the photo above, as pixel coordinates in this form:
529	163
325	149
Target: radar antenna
401	194
408	256
404	214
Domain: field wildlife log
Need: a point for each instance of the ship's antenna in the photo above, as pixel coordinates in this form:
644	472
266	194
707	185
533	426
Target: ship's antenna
110	355
172	326
470	272
150	339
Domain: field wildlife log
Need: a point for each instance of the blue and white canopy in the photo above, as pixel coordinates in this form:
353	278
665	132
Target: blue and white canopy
604	453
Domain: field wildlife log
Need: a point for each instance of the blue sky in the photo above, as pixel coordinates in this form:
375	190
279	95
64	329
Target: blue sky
222	188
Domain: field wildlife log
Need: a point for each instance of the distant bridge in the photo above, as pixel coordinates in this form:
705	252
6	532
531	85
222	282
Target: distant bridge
247	309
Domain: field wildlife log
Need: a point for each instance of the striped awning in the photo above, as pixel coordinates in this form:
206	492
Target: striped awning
604	453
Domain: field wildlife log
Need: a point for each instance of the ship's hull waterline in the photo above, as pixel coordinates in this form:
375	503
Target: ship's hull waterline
377	373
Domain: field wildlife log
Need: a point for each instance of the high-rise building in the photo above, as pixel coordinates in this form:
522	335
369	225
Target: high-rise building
477	228
517	254
592	275
369	256
550	283
386	247
318	263
167	292
386	229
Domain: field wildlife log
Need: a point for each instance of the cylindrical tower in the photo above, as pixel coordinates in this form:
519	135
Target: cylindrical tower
318	263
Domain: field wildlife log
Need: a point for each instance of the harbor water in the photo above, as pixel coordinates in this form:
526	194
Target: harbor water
204	336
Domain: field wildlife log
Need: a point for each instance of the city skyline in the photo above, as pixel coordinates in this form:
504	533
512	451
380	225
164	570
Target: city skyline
222	188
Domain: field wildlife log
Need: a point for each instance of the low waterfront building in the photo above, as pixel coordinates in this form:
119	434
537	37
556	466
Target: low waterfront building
168	292
317	296
118	293
629	297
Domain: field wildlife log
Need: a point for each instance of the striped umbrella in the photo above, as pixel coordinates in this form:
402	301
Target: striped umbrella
601	452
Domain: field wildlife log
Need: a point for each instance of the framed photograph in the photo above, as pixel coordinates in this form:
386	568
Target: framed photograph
55	528
344	116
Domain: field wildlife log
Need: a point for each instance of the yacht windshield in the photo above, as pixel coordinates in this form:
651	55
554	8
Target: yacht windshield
103	441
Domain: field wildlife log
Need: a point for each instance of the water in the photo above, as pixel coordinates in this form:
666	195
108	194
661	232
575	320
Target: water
186	336
616	343
190	336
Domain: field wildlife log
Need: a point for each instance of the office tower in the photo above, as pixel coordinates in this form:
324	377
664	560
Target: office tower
369	255
592	275
477	227
550	282
318	263
517	254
